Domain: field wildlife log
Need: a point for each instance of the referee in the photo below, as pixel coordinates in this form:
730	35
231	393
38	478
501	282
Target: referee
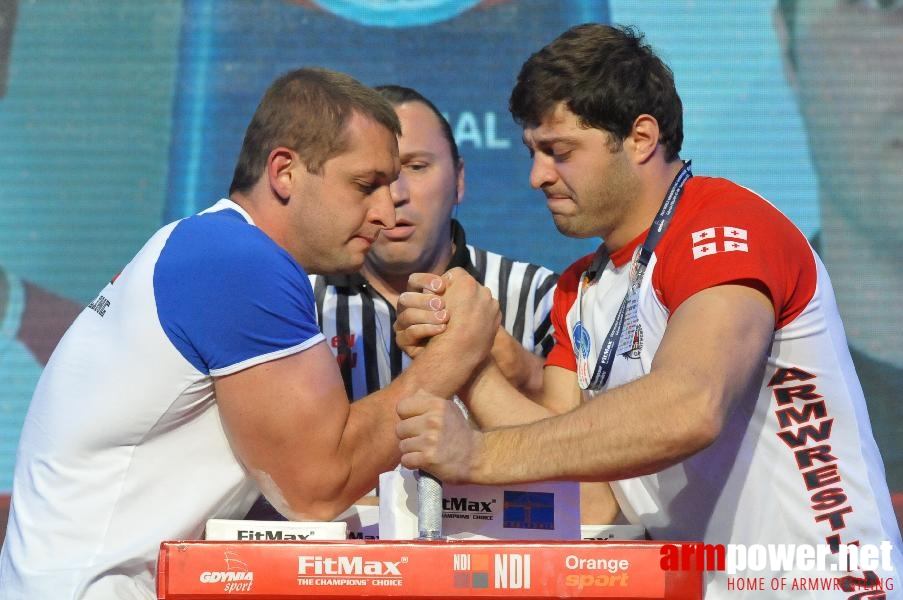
357	311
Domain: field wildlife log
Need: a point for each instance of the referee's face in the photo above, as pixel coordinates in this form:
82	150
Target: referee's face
425	193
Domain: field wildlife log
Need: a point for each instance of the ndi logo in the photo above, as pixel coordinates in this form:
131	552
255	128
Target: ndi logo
510	571
471	571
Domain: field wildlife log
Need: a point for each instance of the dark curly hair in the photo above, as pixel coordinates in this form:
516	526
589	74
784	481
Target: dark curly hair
605	75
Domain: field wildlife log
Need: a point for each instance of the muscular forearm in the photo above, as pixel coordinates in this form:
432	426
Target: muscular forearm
710	359
627	432
322	473
636	429
369	443
519	366
653	422
443	368
368	439
493	402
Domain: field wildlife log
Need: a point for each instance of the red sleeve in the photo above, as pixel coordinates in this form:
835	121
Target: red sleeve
725	234
562	353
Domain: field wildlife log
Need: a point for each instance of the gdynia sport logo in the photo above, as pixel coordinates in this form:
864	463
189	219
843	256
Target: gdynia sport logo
788	566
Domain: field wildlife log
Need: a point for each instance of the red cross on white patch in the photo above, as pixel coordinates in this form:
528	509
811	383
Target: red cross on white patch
719	239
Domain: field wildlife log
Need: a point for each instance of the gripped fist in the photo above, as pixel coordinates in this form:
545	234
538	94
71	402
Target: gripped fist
435	436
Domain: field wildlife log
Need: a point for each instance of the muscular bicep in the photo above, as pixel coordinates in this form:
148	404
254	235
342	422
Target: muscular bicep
285	419
715	348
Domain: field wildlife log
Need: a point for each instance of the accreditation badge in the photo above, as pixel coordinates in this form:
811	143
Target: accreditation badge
631	330
581	340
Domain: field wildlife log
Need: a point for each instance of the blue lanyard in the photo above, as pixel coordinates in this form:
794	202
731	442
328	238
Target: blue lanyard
659	225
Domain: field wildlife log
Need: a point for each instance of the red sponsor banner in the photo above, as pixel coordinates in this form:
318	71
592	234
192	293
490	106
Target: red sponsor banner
412	569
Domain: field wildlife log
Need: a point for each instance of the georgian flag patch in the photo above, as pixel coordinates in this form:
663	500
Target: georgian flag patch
719	239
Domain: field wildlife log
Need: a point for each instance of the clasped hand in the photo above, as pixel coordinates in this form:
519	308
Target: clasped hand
453	309
453	304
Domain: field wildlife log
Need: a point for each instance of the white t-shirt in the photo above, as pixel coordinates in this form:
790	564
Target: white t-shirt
123	446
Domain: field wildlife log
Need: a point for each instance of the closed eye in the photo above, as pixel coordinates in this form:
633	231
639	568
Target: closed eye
367	187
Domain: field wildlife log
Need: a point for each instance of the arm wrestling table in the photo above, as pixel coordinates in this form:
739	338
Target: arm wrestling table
268	570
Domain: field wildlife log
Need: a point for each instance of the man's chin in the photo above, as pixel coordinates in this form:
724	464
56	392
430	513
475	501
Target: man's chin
568	227
346	267
392	262
353	267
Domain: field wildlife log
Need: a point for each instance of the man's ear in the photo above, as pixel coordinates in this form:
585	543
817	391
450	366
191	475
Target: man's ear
280	171
643	138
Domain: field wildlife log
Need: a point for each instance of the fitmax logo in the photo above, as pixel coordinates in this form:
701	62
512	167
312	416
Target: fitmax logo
463	504
347	565
271	534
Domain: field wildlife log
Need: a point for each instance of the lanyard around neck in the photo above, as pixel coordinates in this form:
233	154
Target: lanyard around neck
604	362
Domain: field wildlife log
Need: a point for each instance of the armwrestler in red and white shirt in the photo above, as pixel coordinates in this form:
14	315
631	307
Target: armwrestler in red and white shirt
798	460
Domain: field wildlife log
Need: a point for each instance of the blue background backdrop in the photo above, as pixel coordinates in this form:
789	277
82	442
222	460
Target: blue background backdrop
120	116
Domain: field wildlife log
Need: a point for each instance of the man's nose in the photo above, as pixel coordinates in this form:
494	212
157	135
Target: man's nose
399	190
542	171
382	212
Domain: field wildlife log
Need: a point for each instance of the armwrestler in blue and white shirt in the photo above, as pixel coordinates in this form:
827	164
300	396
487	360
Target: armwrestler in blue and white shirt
198	375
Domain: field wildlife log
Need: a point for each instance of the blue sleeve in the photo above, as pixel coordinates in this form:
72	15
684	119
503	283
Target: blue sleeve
228	297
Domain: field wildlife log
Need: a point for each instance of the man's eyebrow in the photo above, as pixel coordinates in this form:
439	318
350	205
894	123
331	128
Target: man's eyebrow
546	142
372	173
417	154
363	172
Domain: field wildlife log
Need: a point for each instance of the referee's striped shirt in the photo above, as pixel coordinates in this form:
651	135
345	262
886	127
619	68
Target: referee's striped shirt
357	321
